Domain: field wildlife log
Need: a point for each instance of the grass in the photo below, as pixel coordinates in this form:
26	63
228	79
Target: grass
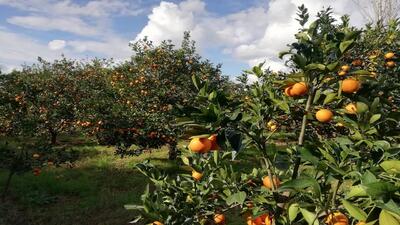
92	192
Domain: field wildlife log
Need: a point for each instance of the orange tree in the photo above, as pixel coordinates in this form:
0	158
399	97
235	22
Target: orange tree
36	105
40	99
143	95
341	170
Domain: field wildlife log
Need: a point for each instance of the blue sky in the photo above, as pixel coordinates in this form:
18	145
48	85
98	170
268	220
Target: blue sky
236	33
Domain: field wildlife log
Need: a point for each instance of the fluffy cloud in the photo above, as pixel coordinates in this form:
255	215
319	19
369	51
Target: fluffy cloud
17	49
93	8
252	35
56	44
66	24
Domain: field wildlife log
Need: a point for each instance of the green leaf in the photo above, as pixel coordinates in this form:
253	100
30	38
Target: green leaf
215	154
331	67
315	66
238	198
345	45
368	177
374	118
354	211
212	95
299	60
391	166
302	183
196	82
329	98
293	211
375	104
317	96
361	107
185	160
379	189
360	72
356	191
386	218
310	217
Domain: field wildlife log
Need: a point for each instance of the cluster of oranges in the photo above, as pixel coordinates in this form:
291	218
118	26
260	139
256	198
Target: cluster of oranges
203	145
297	89
389	59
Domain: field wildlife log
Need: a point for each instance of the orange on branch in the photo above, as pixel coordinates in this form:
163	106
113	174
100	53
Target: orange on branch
342	73
389	55
267	182
157	223
299	89
350	85
324	115
200	145
219	218
390	64
196	175
337	218
351	108
345	68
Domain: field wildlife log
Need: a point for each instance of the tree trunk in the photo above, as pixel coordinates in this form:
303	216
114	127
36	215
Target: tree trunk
53	136
7	185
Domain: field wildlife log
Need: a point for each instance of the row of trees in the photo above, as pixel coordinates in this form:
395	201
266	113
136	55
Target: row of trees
341	101
131	105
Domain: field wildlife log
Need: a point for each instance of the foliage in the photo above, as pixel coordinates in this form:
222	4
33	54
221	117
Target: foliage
344	168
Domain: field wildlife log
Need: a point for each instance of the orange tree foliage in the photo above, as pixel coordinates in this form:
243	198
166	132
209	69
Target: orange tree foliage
343	170
135	102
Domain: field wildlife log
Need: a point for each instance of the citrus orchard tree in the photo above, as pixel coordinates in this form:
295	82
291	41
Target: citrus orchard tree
40	100
143	94
36	105
343	168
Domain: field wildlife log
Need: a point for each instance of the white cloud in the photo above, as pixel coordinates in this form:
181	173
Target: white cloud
17	49
93	8
66	24
251	35
113	47
57	44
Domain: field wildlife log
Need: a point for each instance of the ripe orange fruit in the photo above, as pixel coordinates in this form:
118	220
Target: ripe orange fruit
345	68
219	218
299	89
390	64
389	55
324	115
351	108
214	143
342	73
200	145
361	223
157	223
196	175
337	218
350	85
267	182
287	91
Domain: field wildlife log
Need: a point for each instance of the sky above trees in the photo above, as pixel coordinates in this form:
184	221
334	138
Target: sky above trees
238	33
